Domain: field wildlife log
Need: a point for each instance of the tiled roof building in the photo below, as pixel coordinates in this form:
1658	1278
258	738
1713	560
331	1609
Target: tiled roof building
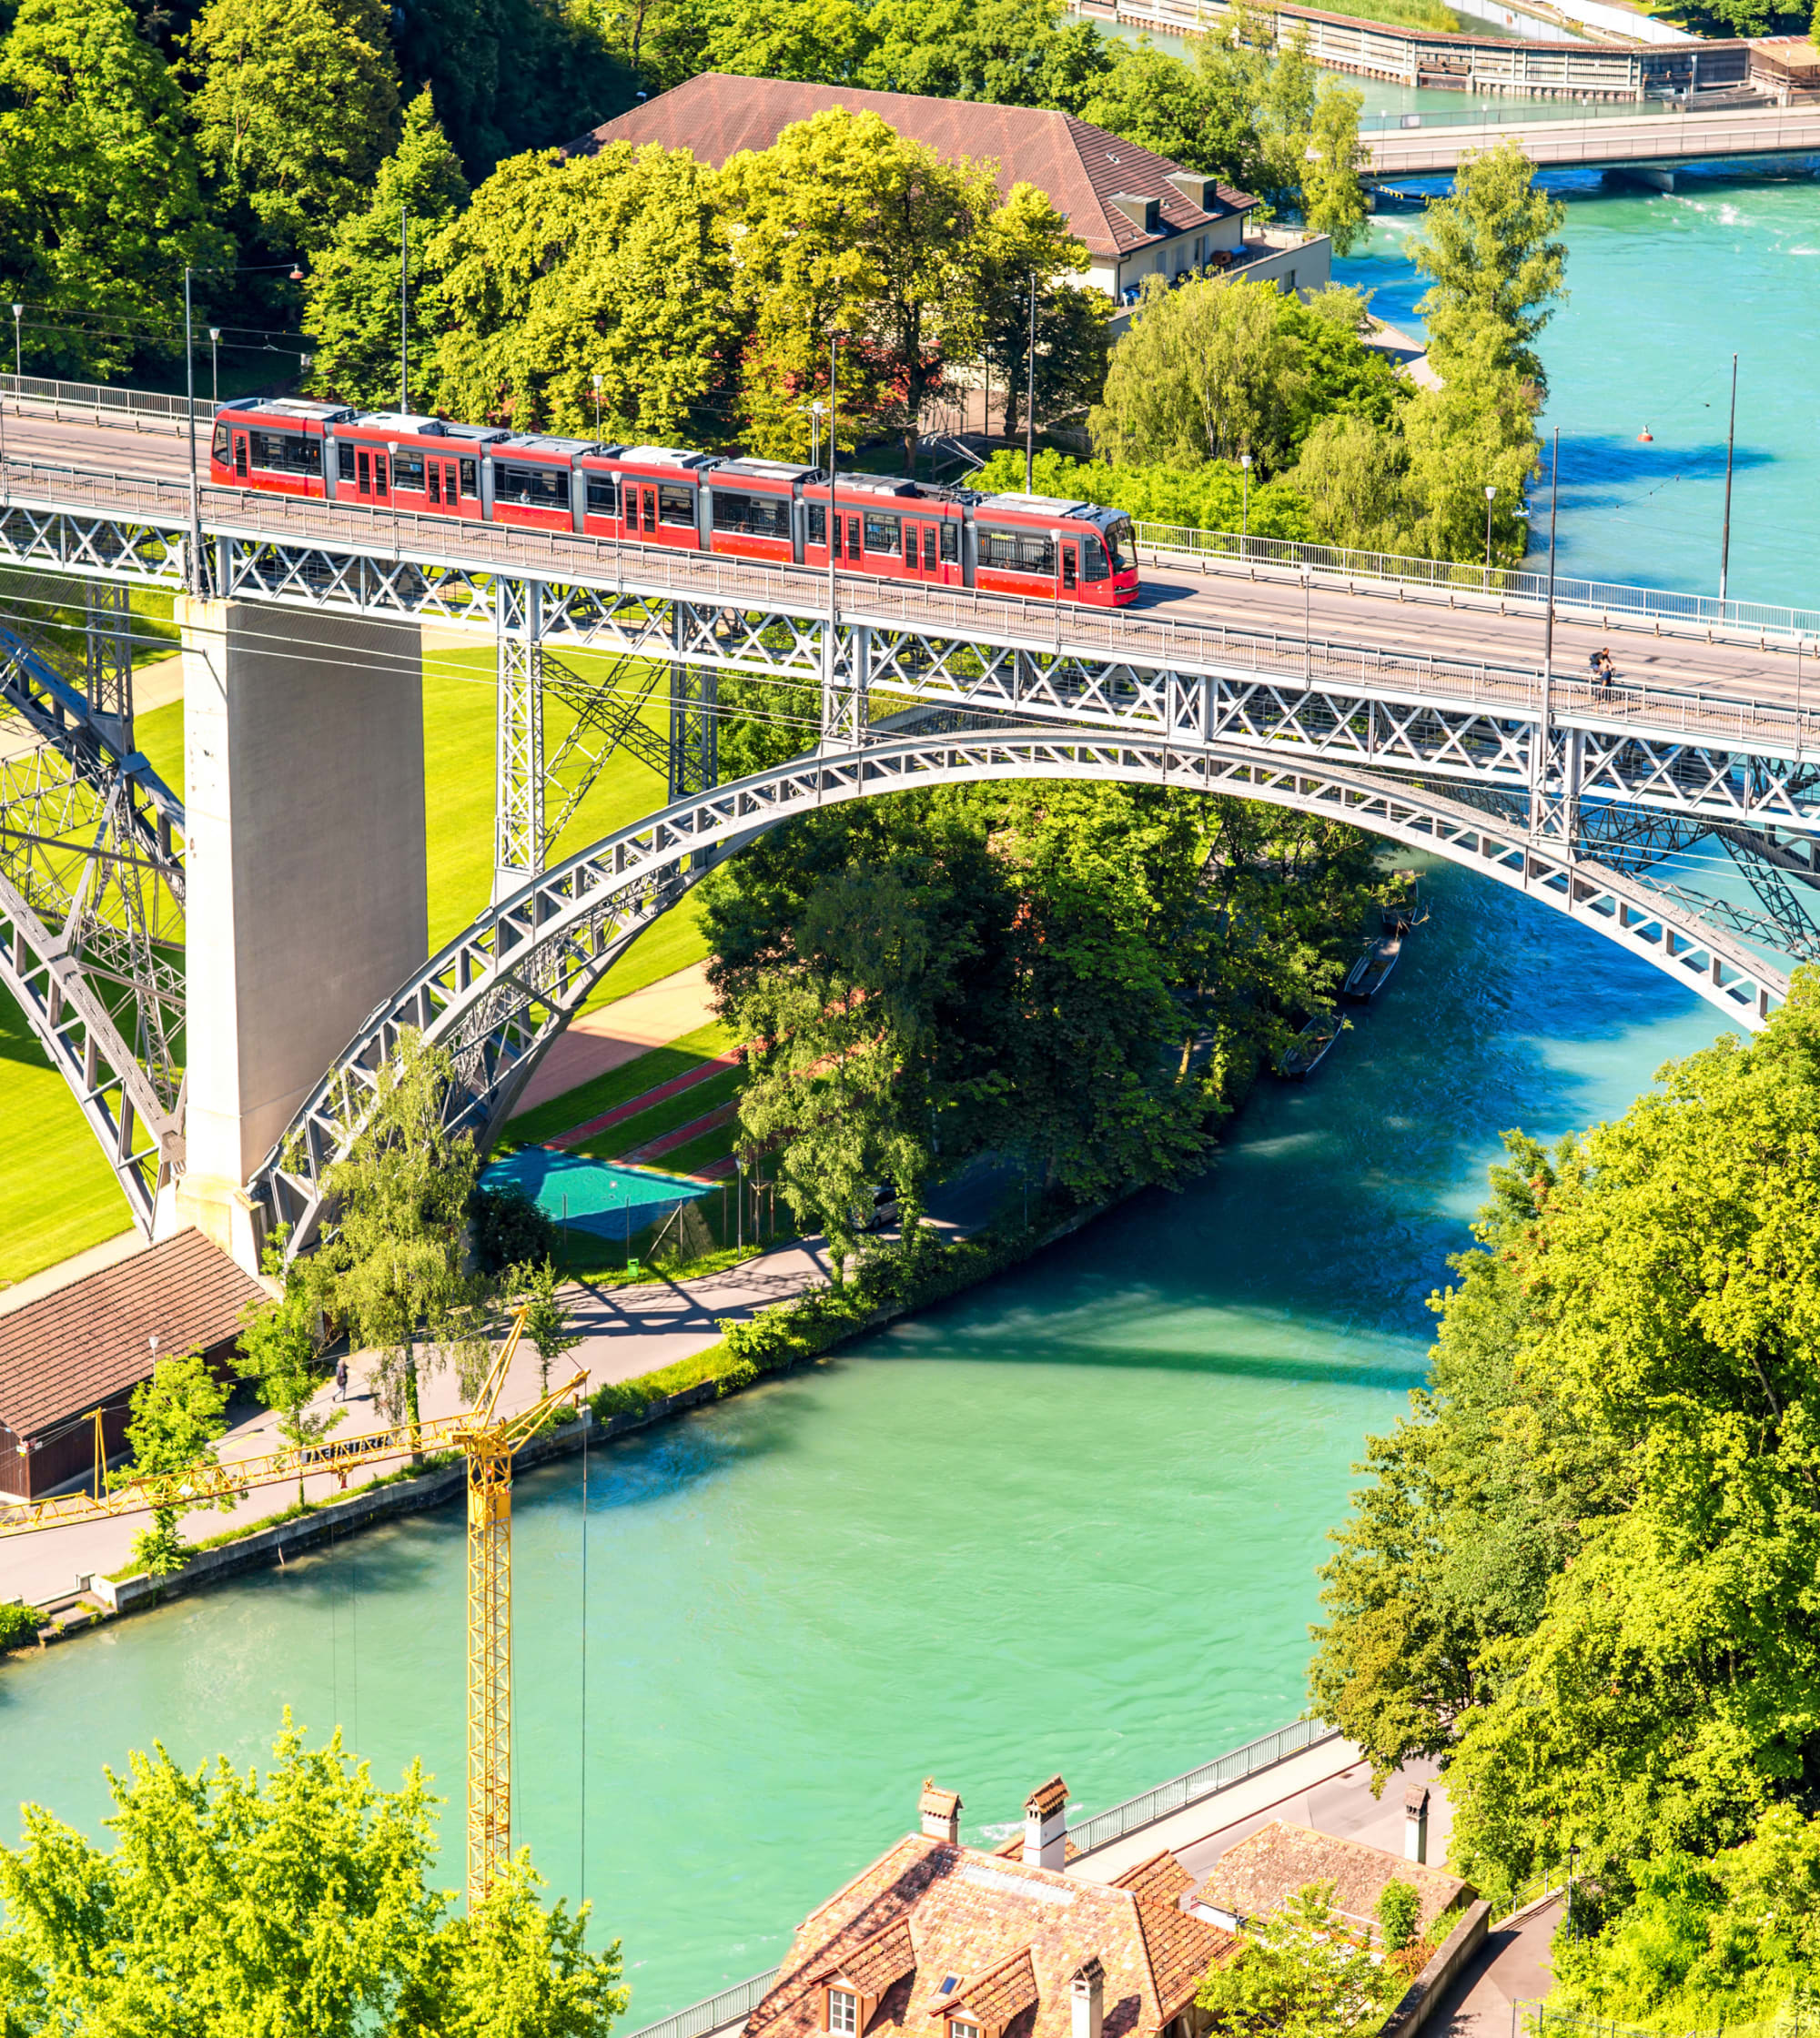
88	1344
1136	212
1251	1879
936	1940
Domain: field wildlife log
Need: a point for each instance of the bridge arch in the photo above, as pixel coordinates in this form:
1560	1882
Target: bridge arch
499	994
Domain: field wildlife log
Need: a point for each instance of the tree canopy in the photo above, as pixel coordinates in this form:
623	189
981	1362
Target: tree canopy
296	1900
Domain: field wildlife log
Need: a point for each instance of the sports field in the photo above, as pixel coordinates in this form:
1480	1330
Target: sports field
57	1194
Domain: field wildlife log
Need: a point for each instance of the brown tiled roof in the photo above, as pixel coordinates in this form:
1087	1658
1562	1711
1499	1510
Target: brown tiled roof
885	1958
1047	1797
990	1922
1082	168
937	1804
1251	1879
1160	1880
89	1342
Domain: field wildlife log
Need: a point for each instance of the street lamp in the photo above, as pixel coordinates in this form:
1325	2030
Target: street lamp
1491	492
18	313
1307	626
1030	399
815	411
833	458
599	382
404	311
1245	485
215	364
1572	1862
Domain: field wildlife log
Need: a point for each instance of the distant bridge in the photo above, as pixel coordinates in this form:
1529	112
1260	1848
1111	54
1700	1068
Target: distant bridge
1654	144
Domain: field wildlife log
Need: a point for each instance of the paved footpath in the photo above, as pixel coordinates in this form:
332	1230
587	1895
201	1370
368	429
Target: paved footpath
625	1331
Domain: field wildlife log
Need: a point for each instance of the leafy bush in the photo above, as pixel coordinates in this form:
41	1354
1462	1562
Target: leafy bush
1399	1907
510	1230
18	1625
619	1397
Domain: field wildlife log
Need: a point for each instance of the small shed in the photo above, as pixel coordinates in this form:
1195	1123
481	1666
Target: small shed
89	1344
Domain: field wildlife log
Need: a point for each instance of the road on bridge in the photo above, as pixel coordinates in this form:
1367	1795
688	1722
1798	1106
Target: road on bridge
1425	623
1661	140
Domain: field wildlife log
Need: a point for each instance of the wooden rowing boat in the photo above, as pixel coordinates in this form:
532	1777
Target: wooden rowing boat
1310	1048
1372	972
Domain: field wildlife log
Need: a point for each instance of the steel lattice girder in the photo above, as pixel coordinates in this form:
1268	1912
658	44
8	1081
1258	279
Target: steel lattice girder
1741	760
499	994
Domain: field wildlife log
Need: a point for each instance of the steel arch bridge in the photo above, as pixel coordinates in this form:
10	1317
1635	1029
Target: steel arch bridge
1576	795
497	995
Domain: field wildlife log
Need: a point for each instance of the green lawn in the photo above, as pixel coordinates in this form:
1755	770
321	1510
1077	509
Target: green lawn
58	1196
620	1085
669	1116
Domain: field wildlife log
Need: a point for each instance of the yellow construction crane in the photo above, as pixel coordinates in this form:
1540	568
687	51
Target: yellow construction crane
487	1441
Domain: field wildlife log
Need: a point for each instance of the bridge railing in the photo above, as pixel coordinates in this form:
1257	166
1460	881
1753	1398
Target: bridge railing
1206	1782
1614	599
150	407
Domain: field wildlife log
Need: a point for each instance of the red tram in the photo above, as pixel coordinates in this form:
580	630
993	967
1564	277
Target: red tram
1031	545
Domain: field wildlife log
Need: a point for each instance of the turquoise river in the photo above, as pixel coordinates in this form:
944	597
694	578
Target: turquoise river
1072	1520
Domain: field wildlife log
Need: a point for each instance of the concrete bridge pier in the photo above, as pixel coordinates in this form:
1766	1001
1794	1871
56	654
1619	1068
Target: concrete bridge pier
305	868
1653	177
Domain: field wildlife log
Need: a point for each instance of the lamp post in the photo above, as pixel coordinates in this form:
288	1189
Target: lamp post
1307	627
215	364
1731	440
833	455
18	313
1245	486
1030	399
599	382
404	310
815	410
1572	1862
1491	493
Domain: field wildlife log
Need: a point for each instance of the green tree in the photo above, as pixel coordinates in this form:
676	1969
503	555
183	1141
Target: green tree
842	223
1013	52
1213	497
1342	373
1204	372
1477	429
1333	200
1495	266
1399	1913
538	1290
604	265
292	1902
99	208
351	298
1297	1977
822	42
281	1352
392	1272
175	1418
297	105
1025	236
1354	478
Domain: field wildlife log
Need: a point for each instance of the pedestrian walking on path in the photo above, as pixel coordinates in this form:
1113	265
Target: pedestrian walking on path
340	1379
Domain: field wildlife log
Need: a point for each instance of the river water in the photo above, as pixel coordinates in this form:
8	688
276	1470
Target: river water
1069	1521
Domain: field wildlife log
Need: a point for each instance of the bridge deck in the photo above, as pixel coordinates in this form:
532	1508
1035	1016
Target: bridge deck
1423	624
1665	138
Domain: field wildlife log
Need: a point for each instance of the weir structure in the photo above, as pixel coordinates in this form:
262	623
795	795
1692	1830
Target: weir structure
221	983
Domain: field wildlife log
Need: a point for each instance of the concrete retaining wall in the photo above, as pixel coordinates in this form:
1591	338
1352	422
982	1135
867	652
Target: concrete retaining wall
1428	1988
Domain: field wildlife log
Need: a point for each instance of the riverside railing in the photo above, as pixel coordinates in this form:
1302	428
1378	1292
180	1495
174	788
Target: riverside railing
1616	598
1221	1773
105	403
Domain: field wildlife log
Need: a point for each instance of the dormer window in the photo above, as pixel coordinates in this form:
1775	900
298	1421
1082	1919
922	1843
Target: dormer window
957	2028
843	2012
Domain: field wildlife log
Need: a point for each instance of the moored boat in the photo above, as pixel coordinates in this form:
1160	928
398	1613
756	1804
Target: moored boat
1310	1048
1372	972
1403	909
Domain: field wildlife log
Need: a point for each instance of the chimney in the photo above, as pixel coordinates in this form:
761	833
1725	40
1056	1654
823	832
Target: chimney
941	1811
1045	1825
1087	1992
1415	1822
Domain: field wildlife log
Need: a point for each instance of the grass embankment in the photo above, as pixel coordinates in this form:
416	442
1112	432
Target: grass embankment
58	1196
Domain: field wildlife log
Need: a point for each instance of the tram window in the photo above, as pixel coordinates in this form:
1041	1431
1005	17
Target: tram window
1017	552
408	470
436	480
881	533
344	462
471	477
910	547
219	450
818	524
676	506
929	548
285	452
951	542
1116	541
602	495
1093	559
537	488
758	516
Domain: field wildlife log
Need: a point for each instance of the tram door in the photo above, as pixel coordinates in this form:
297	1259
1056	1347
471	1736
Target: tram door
1068	557
441	478
371	475
922	550
240	463
381	476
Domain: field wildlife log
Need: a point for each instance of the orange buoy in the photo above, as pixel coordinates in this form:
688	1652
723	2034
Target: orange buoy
1646	437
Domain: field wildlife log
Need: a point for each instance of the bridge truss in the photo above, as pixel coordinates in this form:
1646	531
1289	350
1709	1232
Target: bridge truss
1587	799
